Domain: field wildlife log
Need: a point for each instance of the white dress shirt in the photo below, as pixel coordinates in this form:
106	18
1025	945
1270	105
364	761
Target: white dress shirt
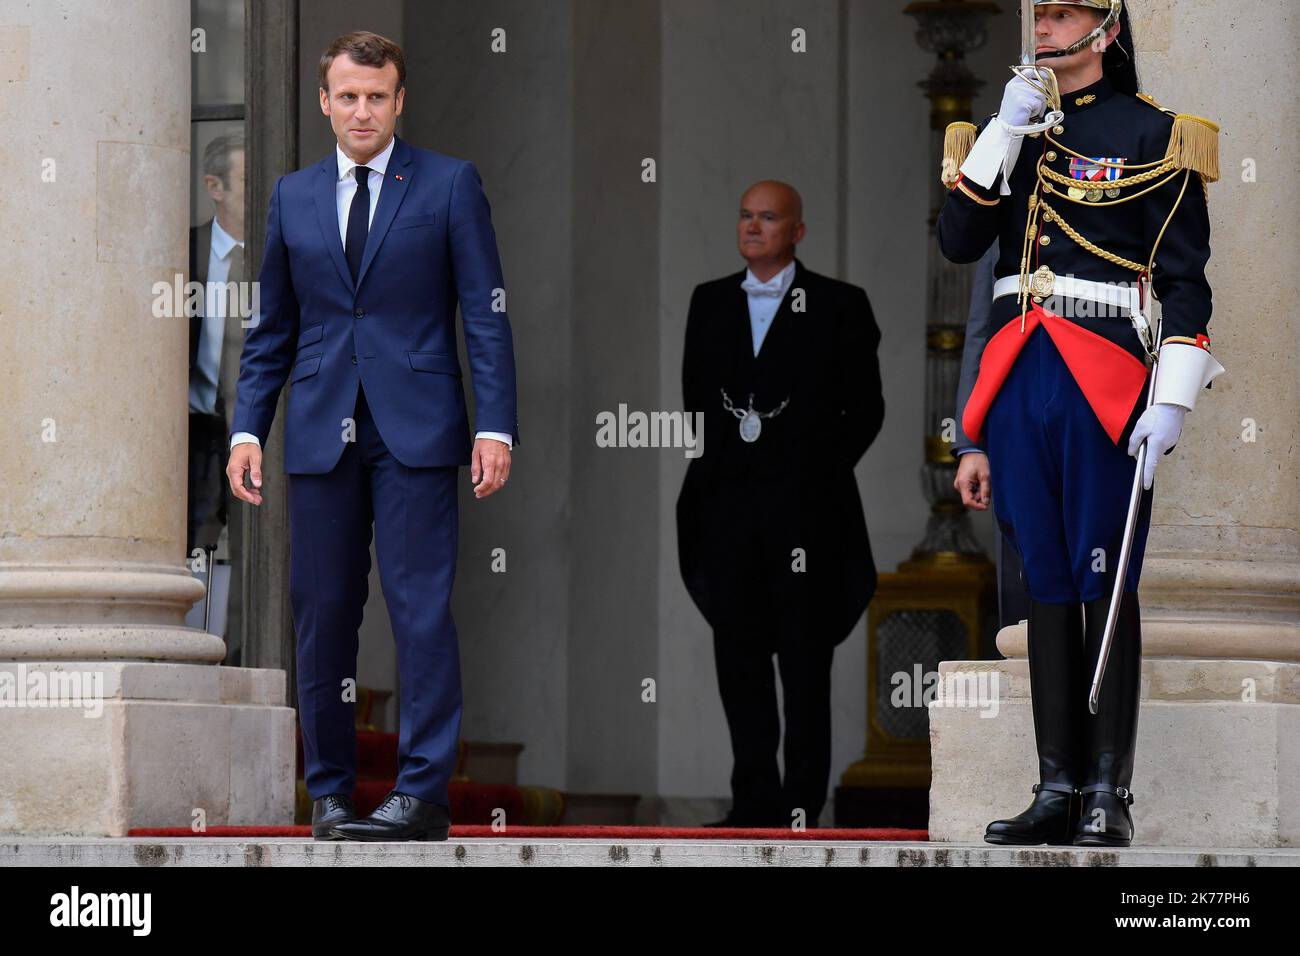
203	383
764	301
344	190
346	186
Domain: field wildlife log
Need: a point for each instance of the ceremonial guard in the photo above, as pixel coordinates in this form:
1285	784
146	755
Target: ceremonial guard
1098	199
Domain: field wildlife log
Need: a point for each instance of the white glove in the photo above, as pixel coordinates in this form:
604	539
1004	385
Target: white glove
997	148
1021	102
1160	425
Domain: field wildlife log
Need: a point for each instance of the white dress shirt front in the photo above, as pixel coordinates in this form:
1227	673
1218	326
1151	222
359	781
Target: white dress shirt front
765	300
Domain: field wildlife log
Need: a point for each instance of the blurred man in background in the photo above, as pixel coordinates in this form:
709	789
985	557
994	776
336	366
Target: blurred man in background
771	536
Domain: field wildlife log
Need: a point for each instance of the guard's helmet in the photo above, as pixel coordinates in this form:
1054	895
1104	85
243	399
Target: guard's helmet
1119	60
1112	9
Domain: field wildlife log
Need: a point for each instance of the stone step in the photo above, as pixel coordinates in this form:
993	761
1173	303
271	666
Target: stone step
214	851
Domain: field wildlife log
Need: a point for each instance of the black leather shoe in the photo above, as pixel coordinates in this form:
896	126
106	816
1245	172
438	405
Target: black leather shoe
329	811
1056	679
400	817
1111	734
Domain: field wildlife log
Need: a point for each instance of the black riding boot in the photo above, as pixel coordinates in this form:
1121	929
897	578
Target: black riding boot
1055	681
1111	735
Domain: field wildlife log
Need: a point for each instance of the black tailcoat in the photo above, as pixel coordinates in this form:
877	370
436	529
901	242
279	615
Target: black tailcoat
793	487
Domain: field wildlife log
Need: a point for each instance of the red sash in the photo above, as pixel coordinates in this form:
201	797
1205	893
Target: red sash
1110	378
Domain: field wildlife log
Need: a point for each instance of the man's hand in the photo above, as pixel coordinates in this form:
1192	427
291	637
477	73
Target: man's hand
489	467
245	457
972	480
1021	102
1160	426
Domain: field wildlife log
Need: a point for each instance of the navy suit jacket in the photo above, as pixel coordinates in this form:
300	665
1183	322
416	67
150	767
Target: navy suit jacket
430	246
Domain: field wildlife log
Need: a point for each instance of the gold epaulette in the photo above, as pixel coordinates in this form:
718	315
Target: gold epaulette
1194	145
1151	101
957	143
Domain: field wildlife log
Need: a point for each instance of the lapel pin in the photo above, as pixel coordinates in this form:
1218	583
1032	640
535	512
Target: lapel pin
398	178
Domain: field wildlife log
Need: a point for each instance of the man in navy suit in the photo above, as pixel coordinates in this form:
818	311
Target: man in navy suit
368	253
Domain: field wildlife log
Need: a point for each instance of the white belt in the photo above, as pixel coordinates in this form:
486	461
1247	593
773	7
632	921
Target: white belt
1124	297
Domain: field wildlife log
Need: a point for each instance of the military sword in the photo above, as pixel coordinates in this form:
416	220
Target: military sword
1126	545
1028	43
1042	77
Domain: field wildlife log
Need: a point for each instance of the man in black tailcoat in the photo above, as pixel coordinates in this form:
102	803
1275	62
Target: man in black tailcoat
772	541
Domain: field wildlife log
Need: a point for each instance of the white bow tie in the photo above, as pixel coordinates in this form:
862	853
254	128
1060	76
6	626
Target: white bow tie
771	289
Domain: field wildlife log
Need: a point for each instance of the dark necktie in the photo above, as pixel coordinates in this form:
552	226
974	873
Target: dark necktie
358	221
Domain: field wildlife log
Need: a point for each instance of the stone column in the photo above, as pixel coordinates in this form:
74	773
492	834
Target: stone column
93	588
1218	752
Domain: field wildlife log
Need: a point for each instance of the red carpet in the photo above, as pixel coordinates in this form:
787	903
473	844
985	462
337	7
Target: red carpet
574	833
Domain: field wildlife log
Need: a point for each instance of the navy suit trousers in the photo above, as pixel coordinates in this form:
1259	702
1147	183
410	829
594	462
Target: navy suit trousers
414	516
